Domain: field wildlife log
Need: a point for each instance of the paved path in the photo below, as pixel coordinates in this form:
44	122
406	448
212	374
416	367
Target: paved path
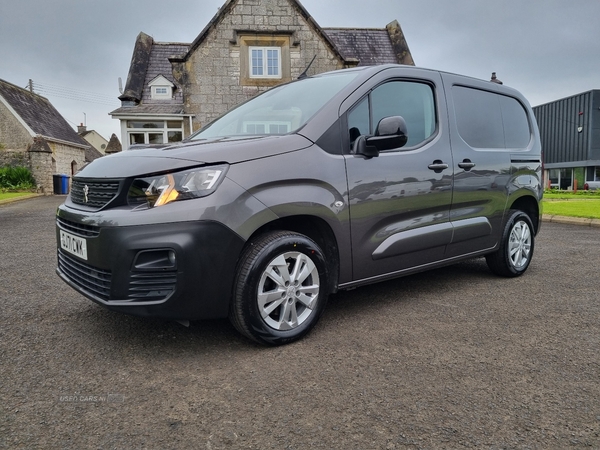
452	358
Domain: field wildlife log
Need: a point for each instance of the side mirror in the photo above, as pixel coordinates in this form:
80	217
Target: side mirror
361	147
391	133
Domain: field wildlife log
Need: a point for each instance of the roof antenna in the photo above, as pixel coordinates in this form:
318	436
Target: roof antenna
303	74
120	86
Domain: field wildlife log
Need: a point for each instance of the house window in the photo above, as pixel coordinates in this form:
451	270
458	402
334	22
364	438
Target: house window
161	92
154	132
265	62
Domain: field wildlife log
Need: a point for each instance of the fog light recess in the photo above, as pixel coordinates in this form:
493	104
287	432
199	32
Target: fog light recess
164	259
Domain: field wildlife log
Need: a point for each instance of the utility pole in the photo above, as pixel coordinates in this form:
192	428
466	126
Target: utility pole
31	85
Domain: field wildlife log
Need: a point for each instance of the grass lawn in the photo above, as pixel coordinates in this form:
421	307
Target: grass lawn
9	195
572	205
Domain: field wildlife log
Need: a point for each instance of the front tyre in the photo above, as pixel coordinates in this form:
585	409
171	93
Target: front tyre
280	289
516	247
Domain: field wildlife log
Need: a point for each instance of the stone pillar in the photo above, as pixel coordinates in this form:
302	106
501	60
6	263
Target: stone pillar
40	163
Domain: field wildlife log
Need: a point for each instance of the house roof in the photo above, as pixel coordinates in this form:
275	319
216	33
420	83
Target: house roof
114	146
38	115
151	59
138	68
159	64
91	154
372	46
150	109
369	46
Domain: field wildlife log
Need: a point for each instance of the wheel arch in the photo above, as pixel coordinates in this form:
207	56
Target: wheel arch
530	206
316	229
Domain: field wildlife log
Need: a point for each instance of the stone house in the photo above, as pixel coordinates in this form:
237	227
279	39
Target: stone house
33	134
173	89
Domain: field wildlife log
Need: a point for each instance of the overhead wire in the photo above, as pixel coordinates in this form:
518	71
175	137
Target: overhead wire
73	94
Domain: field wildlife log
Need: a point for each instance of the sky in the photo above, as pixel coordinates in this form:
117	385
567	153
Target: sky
74	51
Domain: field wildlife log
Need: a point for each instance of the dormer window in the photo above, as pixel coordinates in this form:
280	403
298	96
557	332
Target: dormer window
161	88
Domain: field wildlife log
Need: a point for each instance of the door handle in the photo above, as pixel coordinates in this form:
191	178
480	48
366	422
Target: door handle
466	164
437	166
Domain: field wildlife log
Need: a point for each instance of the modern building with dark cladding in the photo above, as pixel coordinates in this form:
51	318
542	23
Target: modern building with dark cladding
570	135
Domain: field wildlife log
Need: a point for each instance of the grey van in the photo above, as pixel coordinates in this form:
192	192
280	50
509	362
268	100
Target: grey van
326	183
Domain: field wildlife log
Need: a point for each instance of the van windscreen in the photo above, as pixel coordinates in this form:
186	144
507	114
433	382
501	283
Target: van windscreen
281	110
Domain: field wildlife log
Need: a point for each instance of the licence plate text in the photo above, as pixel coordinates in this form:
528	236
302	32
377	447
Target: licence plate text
75	245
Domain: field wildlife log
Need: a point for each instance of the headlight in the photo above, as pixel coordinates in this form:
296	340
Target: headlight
159	190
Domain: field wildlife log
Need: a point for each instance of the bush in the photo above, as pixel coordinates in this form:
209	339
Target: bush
16	178
567	194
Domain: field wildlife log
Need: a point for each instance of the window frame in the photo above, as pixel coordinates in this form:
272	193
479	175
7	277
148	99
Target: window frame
279	42
464	123
165	131
265	62
155	95
157	85
372	125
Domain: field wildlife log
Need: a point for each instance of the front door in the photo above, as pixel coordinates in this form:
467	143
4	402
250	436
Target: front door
400	200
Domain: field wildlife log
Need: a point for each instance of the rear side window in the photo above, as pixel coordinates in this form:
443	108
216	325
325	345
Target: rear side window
412	100
516	126
488	120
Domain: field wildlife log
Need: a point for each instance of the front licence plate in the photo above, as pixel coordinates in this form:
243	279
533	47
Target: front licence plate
74	245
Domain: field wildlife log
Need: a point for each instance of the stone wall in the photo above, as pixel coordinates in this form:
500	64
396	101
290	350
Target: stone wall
13	158
214	80
13	135
49	158
43	164
64	155
41	168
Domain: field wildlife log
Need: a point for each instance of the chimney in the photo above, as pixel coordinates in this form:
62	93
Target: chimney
494	79
81	128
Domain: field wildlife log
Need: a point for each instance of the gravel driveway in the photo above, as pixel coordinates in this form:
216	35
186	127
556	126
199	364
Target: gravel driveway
452	358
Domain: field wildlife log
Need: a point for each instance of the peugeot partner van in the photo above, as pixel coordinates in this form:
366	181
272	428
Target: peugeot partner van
319	185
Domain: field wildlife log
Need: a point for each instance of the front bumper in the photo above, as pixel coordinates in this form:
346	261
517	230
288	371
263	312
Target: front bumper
197	284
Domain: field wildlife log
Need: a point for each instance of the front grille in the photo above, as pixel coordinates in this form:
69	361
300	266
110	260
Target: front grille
151	286
99	193
78	228
90	279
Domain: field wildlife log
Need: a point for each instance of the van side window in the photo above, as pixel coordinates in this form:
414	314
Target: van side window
411	100
517	133
359	123
488	120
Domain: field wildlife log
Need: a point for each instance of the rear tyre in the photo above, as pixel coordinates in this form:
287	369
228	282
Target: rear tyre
280	289
516	247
